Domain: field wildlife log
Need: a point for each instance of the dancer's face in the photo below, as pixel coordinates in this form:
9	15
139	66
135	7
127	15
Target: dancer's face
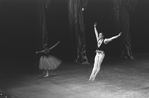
45	45
100	36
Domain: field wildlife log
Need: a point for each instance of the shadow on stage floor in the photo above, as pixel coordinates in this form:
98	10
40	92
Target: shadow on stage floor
118	78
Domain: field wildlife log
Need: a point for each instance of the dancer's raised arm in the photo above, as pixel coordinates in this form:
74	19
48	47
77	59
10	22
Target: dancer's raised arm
106	40
95	30
54	45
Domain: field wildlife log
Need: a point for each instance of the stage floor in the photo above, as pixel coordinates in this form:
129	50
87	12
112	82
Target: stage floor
118	78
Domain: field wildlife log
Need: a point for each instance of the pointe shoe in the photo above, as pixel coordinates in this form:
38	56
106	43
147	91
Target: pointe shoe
45	76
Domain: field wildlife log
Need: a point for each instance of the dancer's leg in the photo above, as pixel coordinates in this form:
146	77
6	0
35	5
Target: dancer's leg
94	67
98	60
47	73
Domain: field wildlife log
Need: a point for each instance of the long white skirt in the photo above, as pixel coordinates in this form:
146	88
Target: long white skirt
49	63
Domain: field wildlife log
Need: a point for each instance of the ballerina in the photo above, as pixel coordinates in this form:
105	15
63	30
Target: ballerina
99	53
48	62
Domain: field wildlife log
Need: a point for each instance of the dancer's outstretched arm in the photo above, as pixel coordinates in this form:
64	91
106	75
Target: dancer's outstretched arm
54	45
95	30
40	51
106	40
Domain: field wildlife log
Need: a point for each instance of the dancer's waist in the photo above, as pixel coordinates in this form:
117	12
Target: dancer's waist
99	51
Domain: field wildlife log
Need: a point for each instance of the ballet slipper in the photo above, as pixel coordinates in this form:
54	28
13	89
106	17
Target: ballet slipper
92	78
47	75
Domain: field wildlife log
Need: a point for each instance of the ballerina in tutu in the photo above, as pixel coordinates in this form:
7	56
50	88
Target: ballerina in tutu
99	53
48	62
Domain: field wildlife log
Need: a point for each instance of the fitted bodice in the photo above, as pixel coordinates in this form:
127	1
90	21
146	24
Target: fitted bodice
100	44
46	52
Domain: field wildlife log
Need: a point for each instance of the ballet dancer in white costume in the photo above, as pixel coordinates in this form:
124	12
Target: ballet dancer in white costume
99	53
48	62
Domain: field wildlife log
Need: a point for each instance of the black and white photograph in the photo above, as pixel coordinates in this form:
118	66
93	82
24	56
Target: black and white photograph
74	49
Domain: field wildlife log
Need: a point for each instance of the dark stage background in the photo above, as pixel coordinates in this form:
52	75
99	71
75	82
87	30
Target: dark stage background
20	36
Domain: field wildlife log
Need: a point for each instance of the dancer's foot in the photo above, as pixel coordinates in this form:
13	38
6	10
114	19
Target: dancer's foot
85	62
129	58
92	78
77	61
81	62
45	76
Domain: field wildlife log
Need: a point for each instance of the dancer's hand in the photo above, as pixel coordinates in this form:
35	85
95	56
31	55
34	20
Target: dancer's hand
120	34
39	51
95	24
82	9
58	42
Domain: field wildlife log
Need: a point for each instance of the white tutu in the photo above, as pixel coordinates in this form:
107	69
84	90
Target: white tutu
49	63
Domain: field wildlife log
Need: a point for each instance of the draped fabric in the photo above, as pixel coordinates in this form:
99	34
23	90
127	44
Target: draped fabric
127	53
43	4
49	62
122	9
77	27
117	9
